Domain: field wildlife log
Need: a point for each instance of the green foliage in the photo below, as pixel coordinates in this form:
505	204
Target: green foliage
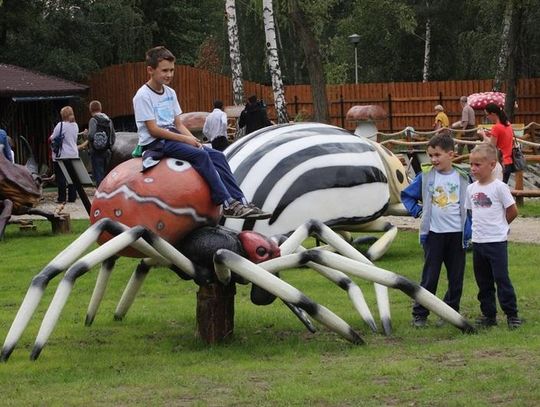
153	358
72	38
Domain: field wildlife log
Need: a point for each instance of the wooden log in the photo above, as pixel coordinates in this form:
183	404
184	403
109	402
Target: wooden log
518	178
528	193
215	312
61	223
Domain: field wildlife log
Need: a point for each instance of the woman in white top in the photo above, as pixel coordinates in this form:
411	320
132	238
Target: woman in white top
70	130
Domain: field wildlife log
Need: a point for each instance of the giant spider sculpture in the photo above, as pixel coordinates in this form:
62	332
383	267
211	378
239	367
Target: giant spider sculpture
168	220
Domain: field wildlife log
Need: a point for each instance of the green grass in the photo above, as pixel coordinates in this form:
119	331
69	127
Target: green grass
531	208
153	357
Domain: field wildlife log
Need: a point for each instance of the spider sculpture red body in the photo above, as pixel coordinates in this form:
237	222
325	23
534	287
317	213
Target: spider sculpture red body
170	199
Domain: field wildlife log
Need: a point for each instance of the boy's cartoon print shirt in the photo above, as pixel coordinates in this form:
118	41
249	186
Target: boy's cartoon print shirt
151	105
445	212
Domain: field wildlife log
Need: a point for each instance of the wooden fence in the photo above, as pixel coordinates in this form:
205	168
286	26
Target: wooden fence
407	103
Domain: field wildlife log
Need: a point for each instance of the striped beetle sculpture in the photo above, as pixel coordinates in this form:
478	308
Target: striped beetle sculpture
316	171
147	215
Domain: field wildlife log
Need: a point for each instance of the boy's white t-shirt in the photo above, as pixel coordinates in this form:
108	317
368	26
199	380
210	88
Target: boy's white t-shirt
445	211
488	204
150	105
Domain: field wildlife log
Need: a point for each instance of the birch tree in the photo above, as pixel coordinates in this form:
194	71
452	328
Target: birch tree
234	52
312	52
427	46
273	62
504	50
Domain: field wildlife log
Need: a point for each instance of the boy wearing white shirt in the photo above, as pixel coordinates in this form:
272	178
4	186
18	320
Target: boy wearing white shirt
437	195
493	209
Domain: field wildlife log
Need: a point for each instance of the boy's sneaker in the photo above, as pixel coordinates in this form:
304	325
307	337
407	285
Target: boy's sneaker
257	213
419	321
513	322
237	210
485	322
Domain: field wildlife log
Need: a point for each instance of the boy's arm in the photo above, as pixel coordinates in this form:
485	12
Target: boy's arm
511	213
412	196
184	137
92	127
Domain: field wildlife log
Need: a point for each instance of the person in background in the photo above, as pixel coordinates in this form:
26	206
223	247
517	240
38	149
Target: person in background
438	194
501	136
467	122
254	116
493	209
70	130
441	119
215	127
99	158
6	146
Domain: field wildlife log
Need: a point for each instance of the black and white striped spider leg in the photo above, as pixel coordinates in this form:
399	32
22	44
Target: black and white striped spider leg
324	233
226	261
105	254
363	270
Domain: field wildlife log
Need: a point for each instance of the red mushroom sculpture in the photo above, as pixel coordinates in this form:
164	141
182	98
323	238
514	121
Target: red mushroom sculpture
365	117
479	101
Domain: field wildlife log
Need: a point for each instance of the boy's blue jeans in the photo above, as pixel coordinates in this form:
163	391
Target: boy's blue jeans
211	165
490	261
442	248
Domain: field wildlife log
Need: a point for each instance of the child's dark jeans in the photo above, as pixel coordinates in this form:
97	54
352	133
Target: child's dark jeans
490	261
439	249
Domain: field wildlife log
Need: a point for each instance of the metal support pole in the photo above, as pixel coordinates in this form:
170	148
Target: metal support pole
356	64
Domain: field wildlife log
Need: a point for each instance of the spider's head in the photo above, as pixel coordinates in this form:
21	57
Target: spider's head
258	248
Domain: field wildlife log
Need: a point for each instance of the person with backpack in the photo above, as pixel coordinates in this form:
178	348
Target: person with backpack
101	137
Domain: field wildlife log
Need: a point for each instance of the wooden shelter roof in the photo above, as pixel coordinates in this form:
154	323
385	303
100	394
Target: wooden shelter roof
21	82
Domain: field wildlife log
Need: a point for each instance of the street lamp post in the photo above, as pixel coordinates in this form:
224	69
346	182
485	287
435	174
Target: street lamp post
355	39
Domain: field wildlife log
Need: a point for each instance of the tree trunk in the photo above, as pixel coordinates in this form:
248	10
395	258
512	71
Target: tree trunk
273	62
314	62
513	61
427	47
234	52
215	312
500	74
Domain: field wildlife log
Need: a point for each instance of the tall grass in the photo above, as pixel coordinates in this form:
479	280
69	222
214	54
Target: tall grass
154	358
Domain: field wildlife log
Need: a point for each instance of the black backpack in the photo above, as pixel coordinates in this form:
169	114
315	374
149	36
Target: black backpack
102	137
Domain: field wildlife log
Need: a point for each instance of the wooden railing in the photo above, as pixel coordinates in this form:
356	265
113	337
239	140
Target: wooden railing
529	139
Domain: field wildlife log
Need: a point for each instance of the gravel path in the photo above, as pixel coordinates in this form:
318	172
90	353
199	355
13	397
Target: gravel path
521	230
526	230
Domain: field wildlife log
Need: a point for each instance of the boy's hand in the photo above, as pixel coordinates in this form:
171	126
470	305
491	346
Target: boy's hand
192	140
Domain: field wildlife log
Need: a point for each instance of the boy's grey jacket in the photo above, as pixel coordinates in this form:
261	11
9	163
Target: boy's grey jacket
417	199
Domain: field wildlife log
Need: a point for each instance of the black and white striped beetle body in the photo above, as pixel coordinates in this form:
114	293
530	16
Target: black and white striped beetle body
315	171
